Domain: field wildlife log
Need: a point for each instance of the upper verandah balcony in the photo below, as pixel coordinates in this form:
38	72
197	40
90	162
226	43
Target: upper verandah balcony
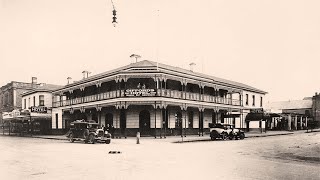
147	87
167	93
166	81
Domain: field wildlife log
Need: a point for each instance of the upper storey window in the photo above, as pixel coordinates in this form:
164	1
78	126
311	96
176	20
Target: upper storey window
41	100
247	99
253	100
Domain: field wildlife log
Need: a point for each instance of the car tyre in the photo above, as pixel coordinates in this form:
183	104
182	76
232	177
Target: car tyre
108	141
231	136
91	139
241	136
224	136
71	139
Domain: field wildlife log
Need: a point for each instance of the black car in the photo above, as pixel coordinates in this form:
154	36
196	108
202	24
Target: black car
89	132
225	131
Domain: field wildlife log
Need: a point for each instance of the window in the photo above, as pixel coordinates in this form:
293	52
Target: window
247	99
57	120
190	117
41	100
253	100
261	102
29	102
34	101
24	104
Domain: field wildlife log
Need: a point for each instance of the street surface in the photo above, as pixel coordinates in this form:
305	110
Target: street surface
289	157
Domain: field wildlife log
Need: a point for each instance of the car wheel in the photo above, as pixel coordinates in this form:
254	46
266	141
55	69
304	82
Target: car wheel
91	139
241	136
108	141
71	137
224	136
231	136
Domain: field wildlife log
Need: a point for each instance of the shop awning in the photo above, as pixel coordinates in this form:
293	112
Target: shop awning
255	116
231	115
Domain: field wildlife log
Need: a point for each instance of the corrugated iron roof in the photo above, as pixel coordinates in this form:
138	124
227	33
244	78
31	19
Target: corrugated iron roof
43	88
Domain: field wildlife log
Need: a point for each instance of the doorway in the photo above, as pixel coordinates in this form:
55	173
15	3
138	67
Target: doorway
144	122
109	119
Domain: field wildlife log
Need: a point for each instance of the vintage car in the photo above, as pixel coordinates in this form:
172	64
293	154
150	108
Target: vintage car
89	132
225	131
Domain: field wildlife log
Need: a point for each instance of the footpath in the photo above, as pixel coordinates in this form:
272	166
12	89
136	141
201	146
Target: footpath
179	139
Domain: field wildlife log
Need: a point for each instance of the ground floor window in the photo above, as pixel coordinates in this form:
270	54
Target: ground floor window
190	119
178	120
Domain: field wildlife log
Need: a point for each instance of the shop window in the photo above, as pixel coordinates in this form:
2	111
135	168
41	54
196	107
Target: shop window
41	100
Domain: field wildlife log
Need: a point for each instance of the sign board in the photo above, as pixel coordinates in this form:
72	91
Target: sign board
8	115
140	92
39	109
258	110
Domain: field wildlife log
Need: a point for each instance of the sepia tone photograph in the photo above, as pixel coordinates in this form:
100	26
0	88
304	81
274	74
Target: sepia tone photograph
151	89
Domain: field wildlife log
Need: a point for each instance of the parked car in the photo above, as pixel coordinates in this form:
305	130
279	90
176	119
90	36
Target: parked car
225	131
89	132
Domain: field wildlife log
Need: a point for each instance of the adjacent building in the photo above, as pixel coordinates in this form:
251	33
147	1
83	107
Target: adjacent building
38	102
10	95
26	107
156	100
295	114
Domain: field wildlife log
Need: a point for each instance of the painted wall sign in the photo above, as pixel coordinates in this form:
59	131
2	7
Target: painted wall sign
39	109
140	92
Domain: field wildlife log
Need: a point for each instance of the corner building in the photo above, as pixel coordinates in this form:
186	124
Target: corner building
154	99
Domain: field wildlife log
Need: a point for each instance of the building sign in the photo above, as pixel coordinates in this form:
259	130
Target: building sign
258	110
39	109
8	115
140	92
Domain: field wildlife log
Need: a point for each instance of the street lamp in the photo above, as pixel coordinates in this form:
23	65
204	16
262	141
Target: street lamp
114	13
114	18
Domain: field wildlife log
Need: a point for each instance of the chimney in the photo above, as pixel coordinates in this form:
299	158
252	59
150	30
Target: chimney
135	57
34	80
85	74
191	66
69	80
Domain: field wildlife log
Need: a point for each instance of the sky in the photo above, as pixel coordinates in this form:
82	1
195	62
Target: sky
272	45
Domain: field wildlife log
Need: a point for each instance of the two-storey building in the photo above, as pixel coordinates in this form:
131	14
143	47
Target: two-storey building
38	102
155	99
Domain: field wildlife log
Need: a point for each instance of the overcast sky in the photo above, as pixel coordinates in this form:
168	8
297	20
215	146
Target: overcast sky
273	45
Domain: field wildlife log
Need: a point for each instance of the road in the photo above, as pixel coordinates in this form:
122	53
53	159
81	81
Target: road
278	157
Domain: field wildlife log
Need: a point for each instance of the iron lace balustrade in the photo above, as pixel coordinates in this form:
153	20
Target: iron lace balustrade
160	93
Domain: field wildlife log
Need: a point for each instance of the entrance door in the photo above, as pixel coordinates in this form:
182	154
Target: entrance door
109	119
144	122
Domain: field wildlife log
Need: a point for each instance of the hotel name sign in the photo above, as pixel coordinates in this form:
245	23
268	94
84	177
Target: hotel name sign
140	92
39	109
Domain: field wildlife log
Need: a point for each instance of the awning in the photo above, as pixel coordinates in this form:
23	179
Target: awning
255	116
231	115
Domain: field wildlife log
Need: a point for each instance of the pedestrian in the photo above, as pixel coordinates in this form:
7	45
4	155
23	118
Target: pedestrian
107	128
112	131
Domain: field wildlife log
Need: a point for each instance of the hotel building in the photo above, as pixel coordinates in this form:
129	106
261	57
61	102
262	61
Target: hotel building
156	100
